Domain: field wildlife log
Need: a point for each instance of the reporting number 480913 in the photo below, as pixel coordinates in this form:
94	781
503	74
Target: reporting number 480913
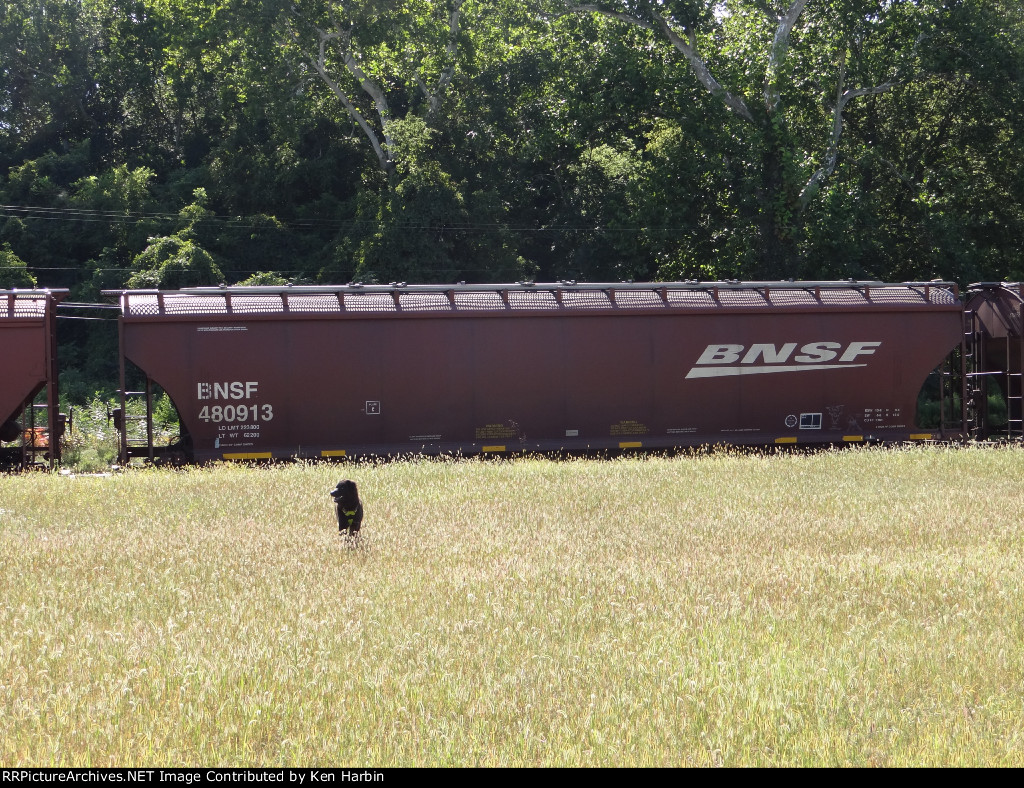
233	413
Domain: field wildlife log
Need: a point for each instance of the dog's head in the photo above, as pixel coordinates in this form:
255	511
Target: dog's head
9	431
345	492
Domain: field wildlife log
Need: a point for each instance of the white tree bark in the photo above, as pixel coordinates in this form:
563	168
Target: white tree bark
777	55
843	97
338	39
379	142
435	96
685	41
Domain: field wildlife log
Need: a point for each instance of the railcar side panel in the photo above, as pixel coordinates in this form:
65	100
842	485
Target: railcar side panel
317	385
28	352
22	365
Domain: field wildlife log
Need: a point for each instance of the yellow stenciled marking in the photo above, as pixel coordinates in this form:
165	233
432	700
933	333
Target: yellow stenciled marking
853	438
921	436
493	448
631	445
785	440
256	455
333	453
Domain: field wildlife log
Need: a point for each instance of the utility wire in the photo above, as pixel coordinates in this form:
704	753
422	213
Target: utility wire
274	223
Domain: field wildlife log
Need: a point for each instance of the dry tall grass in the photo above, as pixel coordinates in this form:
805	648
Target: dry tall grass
850	608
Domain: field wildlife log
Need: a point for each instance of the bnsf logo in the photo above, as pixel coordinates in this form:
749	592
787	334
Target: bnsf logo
228	390
718	361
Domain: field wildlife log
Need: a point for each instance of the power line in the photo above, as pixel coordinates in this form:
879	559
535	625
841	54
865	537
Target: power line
270	223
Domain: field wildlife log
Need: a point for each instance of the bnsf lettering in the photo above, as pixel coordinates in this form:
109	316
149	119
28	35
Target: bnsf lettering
719	361
228	390
769	353
721	354
818	352
859	349
813	353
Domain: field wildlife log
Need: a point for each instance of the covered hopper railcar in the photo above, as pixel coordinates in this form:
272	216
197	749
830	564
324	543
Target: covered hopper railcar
28	372
258	372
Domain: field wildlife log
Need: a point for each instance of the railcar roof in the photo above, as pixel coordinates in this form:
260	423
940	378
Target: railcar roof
998	308
21	304
359	299
1013	289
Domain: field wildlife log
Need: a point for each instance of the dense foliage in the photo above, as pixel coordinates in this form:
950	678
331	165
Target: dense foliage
178	142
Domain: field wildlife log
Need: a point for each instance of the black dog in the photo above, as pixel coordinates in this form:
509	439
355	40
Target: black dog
348	506
9	431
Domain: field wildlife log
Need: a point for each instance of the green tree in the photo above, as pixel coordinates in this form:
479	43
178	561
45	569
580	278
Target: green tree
382	61
13	271
177	260
484	139
933	182
46	75
787	74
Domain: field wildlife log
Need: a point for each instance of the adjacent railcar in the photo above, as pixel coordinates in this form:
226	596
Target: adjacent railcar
263	372
28	367
995	315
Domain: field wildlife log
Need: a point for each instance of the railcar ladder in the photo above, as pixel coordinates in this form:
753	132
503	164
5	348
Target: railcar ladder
1014	402
40	437
35	440
957	378
1014	393
979	376
123	421
973	389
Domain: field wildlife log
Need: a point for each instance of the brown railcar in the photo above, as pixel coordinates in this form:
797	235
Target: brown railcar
28	366
354	370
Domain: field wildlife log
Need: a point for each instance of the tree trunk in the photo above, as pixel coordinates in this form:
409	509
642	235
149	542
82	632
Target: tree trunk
777	256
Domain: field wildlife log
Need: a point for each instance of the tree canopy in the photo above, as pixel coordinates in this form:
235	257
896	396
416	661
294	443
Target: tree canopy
175	142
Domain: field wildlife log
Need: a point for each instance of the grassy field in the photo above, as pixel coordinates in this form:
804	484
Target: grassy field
861	607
